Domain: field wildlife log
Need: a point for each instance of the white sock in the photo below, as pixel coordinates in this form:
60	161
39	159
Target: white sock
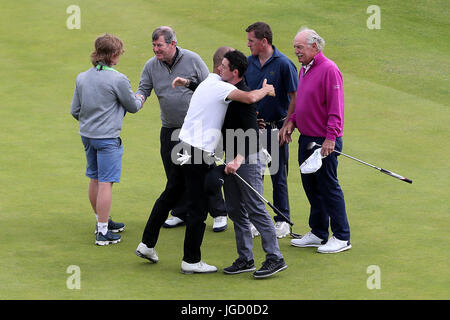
96	217
102	227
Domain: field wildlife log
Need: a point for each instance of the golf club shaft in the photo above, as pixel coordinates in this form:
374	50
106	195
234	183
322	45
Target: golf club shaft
389	173
264	199
255	191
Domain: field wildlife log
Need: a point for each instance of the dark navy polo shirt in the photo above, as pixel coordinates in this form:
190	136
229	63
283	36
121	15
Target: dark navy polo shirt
279	72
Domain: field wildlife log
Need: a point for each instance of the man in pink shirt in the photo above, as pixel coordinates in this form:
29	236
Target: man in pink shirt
319	117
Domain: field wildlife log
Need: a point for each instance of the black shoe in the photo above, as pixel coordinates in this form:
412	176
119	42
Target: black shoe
108	238
270	267
114	227
240	266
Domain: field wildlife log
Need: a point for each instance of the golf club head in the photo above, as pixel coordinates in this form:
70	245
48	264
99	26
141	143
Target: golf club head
311	145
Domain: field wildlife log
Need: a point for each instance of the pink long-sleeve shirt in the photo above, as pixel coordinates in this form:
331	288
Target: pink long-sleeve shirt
319	110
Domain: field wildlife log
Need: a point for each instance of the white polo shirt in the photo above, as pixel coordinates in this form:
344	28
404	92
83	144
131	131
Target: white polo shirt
204	119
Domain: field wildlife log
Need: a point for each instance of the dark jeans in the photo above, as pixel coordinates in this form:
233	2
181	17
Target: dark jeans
187	179
216	203
279	179
324	193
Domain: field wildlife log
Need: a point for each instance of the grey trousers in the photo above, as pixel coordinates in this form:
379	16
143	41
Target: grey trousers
245	206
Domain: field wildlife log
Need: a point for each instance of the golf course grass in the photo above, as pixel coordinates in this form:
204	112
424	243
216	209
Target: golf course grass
396	83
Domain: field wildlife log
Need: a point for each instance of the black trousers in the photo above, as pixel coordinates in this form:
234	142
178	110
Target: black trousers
216	203
188	179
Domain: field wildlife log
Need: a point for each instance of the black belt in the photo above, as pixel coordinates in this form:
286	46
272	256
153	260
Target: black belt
274	124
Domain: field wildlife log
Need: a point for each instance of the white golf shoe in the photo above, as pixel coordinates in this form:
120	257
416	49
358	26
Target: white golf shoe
173	222
220	223
281	229
147	253
308	240
334	245
199	267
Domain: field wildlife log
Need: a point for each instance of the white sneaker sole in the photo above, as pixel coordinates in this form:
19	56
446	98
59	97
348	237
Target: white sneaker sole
173	222
107	242
169	226
220	229
306	245
192	271
112	230
337	251
141	255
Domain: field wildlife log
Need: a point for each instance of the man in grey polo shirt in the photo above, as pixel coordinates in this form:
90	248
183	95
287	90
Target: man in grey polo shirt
169	62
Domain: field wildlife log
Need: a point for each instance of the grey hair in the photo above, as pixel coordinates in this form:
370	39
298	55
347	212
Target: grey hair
313	37
167	32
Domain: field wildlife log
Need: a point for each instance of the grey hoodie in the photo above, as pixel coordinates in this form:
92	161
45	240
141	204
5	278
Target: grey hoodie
100	101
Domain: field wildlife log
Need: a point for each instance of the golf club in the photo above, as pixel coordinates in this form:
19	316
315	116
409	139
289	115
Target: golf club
389	173
292	234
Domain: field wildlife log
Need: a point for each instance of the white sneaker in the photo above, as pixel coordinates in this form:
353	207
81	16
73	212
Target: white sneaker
308	240
173	222
199	267
220	223
334	245
147	253
281	229
255	232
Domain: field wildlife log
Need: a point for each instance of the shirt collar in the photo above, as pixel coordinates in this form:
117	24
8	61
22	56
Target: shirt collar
175	56
318	58
276	54
308	66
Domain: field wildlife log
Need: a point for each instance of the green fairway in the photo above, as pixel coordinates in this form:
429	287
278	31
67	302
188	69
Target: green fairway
396	83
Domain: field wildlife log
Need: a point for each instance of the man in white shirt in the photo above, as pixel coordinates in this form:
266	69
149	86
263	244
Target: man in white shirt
199	136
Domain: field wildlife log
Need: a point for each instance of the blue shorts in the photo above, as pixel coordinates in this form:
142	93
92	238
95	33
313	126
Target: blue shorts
104	158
